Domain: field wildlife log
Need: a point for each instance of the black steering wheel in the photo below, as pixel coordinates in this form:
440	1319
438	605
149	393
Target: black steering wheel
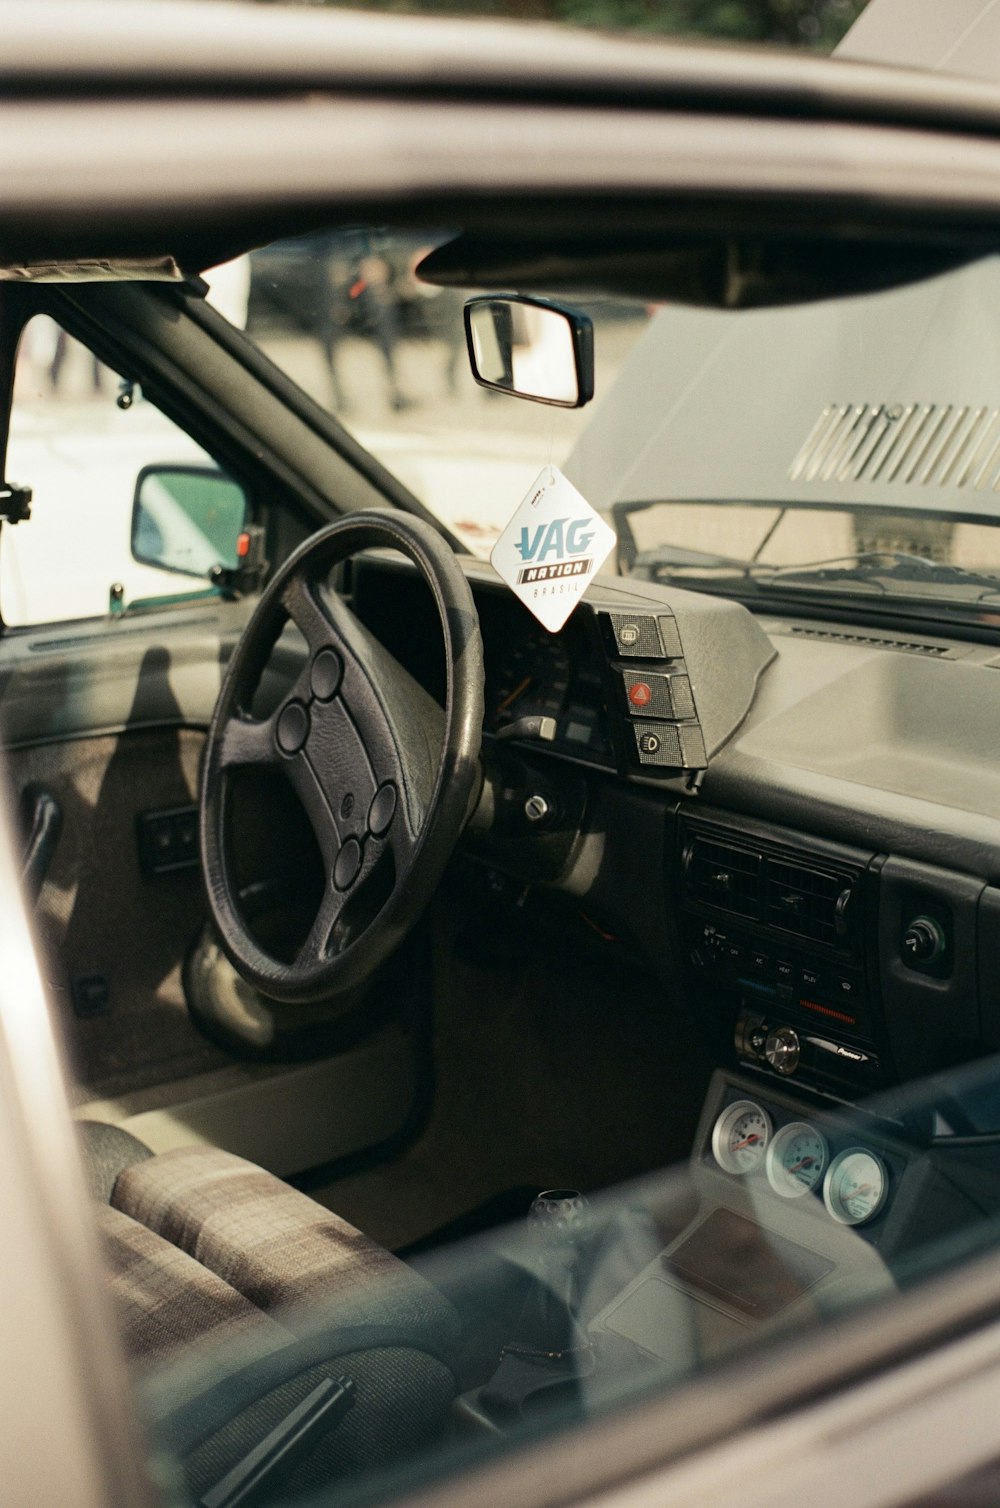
386	777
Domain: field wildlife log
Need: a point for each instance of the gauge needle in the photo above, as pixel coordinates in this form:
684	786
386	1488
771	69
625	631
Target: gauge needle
509	700
806	1162
748	1141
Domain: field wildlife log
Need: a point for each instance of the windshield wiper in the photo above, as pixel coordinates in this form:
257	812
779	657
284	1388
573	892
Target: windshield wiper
894	572
666	558
880	569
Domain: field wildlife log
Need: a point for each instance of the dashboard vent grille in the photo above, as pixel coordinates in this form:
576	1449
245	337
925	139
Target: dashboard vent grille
909	646
805	900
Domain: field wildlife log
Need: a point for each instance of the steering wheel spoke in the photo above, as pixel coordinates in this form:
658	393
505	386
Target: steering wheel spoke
247	741
301	601
399	840
313	799
359	868
313	952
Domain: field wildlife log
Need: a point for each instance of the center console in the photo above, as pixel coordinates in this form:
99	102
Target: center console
790	1210
824	965
774	936
798	1210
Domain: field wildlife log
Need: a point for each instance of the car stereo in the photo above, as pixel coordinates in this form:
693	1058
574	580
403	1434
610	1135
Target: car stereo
773	935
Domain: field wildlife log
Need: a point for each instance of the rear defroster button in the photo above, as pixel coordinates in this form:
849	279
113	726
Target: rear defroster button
345	870
382	810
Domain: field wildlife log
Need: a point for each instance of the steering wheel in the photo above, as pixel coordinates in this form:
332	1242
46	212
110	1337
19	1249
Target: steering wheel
385	776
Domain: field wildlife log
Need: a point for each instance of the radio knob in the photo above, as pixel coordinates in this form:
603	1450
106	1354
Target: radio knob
783	1050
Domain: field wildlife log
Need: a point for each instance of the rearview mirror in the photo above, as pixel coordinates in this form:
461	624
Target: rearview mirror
531	348
188	519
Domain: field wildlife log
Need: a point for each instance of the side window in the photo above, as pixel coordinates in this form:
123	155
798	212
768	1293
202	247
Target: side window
125	505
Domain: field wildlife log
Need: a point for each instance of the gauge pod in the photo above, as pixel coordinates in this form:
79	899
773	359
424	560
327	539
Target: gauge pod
740	1137
796	1159
856	1186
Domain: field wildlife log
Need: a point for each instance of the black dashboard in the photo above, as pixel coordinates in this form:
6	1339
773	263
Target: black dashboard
798	825
625	690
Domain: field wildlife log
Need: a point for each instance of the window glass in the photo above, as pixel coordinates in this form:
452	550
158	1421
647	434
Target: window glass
80	439
784	1221
346	316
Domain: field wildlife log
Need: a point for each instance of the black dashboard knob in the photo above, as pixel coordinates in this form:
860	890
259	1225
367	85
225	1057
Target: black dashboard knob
923	941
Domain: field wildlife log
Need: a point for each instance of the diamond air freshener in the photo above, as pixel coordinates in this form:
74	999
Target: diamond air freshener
552	548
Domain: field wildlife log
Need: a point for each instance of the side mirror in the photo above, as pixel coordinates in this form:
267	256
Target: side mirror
189	519
531	348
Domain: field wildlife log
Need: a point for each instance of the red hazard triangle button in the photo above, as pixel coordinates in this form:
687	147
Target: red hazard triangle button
640	694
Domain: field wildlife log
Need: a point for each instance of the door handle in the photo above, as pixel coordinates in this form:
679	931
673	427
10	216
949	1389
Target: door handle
43	824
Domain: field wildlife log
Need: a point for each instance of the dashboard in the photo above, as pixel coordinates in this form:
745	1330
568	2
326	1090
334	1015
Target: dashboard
625	693
796	823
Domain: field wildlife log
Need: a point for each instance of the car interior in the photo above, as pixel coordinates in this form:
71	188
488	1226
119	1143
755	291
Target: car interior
473	1023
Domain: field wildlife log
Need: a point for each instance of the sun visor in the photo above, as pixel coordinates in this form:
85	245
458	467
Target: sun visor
162	269
715	272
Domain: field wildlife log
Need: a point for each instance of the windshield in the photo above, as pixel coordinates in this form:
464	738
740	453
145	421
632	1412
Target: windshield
843	450
858	437
347	316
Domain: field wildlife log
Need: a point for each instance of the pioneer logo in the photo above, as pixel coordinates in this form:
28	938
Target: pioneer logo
838	1050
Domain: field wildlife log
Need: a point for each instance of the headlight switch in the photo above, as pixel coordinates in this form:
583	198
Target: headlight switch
924	943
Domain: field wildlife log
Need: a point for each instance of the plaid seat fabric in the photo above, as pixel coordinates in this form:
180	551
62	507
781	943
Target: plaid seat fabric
214	1264
172	1307
279	1250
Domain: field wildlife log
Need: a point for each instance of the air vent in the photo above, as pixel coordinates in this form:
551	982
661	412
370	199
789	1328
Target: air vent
725	876
778	889
909	444
872	641
811	903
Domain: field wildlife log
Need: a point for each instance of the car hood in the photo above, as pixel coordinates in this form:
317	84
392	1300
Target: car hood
882	399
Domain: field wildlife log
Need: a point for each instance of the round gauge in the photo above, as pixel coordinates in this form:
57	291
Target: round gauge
740	1137
855	1187
795	1159
534	681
